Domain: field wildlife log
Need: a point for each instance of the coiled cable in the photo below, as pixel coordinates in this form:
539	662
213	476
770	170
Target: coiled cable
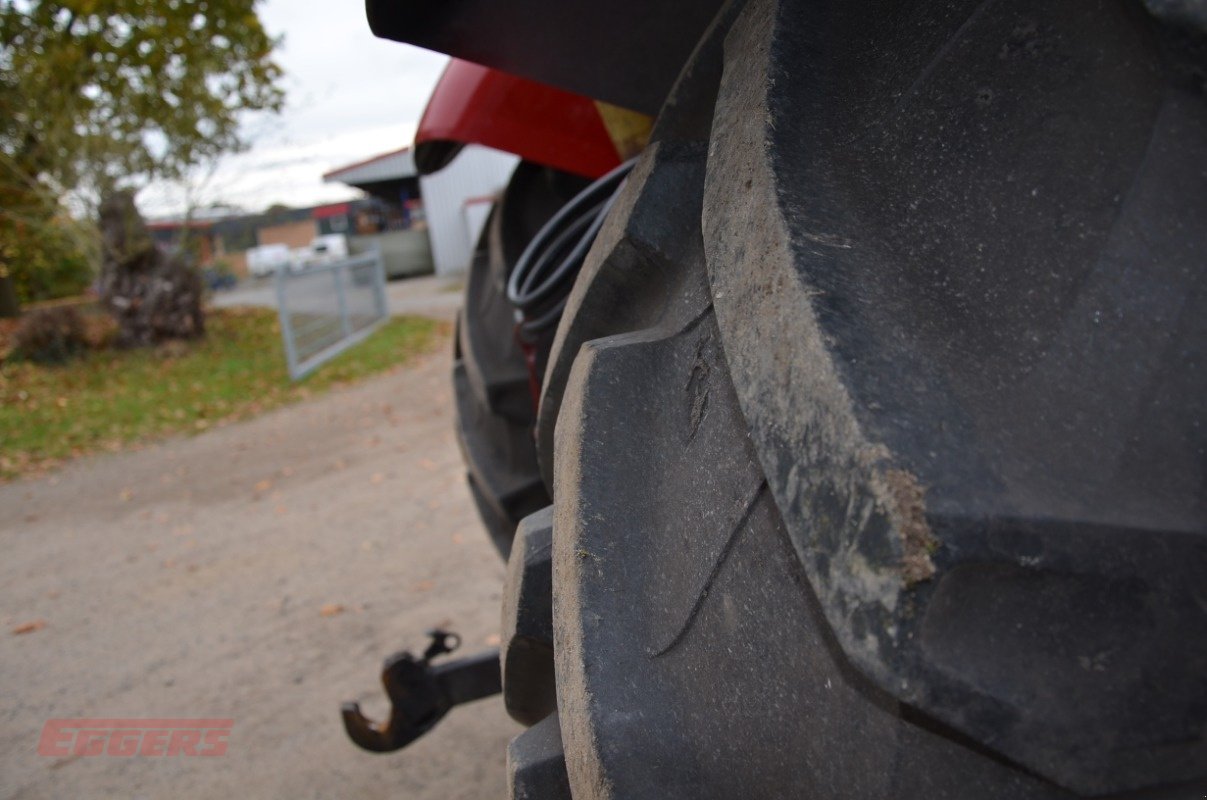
542	277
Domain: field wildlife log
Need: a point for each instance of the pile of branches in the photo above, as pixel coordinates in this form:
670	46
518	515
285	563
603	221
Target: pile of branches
154	296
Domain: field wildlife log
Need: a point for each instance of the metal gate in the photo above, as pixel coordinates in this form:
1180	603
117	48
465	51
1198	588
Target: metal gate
327	308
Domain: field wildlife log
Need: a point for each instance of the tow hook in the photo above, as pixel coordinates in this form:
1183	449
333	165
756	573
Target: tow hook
421	694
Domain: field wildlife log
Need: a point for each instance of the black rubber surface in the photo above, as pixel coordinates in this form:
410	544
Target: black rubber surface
963	298
692	659
851	497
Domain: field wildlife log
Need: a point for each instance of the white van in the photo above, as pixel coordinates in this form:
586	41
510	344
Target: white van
266	259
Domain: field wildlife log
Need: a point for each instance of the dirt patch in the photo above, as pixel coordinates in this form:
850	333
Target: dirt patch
909	517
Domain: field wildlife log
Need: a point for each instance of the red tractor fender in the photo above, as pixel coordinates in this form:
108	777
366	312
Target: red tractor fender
472	104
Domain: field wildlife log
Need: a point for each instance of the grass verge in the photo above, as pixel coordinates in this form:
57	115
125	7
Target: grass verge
110	399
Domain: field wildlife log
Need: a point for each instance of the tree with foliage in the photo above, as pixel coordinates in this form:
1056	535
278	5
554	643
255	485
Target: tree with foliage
100	96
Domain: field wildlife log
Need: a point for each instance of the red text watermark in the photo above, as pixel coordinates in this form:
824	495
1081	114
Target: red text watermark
135	737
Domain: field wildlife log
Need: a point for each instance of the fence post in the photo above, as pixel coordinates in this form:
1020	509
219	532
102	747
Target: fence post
379	284
344	322
291	353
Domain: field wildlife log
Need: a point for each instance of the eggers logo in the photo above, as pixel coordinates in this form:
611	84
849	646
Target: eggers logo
135	737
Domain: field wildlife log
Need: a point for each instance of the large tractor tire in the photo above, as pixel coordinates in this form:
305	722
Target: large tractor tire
875	423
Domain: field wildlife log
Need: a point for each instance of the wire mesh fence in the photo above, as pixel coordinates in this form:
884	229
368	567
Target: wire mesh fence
327	308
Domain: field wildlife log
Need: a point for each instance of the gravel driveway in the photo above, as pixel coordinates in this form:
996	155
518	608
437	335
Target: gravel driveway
259	572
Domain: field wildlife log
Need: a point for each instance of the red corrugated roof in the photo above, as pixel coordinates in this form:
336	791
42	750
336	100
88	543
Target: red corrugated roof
332	210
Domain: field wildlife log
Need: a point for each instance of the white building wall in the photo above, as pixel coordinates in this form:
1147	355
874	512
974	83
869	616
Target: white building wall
473	217
453	227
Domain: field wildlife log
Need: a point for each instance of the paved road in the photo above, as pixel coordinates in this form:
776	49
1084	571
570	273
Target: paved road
260	572
429	295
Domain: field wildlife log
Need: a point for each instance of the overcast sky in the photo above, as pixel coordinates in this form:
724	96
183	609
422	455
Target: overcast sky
349	96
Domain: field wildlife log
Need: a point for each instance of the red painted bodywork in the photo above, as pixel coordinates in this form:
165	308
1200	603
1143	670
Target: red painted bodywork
478	105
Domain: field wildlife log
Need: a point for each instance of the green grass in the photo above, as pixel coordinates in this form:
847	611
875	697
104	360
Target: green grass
110	399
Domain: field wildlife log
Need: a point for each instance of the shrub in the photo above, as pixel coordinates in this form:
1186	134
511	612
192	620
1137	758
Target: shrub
65	276
219	275
49	260
49	336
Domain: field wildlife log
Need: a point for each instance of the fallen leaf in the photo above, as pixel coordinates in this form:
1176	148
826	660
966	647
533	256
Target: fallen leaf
126	495
263	486
494	640
423	586
331	609
427	464
377	477
458	538
29	627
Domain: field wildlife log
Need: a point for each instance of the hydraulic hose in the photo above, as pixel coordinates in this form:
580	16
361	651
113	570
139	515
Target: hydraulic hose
541	280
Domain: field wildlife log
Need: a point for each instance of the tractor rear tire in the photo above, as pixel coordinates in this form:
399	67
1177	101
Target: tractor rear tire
875	422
